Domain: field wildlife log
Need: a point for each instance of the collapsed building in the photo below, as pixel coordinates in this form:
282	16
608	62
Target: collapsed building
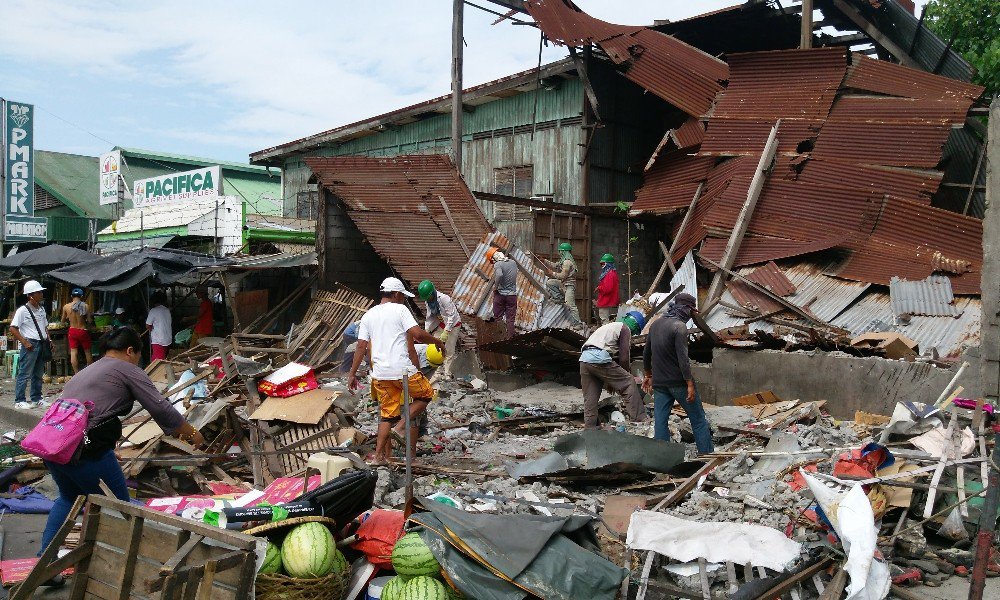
865	207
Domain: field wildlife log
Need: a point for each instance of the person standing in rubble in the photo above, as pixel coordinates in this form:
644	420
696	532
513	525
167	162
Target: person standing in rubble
504	288
598	368
443	320
607	290
668	373
77	314
113	384
390	331
563	274
159	323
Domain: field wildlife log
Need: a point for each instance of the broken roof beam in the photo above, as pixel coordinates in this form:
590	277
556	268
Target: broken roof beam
875	34
746	214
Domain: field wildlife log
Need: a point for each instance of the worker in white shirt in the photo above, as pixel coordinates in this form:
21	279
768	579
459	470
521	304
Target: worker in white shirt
442	320
30	327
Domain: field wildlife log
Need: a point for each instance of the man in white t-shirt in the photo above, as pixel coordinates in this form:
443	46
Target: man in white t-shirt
160	326
30	327
390	331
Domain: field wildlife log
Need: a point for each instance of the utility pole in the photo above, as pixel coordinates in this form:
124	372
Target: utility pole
457	42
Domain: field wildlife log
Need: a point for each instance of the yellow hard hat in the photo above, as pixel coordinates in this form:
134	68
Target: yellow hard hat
434	355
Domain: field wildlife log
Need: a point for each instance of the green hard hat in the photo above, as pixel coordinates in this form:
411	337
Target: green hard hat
608	257
425	289
565	247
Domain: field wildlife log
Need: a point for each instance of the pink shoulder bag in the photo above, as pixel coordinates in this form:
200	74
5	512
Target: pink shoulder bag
61	432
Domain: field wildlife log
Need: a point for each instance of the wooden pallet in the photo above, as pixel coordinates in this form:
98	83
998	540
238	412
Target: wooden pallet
127	551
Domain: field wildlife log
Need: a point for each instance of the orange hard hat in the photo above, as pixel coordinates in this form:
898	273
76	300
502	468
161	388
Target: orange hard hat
490	253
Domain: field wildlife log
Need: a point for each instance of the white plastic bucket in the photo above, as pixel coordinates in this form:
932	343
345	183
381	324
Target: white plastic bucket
375	588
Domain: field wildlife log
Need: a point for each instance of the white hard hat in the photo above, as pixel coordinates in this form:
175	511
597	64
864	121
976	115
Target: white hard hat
392	284
31	286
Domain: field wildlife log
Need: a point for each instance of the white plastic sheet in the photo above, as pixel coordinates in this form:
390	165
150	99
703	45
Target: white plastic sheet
716	542
852	518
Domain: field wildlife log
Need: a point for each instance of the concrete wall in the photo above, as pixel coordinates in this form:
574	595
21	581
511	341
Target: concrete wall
644	258
345	256
845	382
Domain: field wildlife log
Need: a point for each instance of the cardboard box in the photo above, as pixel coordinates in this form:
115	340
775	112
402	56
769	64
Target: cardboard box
894	345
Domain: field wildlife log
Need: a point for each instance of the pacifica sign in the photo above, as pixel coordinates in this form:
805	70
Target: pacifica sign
199	184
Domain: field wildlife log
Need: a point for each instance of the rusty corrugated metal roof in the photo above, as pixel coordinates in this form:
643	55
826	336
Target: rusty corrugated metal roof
688	135
900	144
473	293
768	276
782	84
757	249
680	74
399	205
930	297
746	137
887	78
671	183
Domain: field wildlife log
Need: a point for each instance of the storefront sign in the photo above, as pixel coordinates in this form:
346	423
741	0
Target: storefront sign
200	184
18	164
110	173
20	228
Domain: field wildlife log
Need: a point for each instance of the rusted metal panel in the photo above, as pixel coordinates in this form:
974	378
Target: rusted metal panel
909	184
680	74
746	137
671	183
899	144
473	294
930	297
688	135
883	77
397	204
757	249
887	109
785	84
768	276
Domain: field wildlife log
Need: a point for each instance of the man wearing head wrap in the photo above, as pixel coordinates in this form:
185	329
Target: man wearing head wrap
668	373
607	290
563	272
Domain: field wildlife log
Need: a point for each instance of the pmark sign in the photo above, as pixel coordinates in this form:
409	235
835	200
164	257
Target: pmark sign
199	184
19	173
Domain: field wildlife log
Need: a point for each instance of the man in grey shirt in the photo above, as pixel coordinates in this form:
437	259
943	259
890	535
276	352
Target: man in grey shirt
668	373
504	290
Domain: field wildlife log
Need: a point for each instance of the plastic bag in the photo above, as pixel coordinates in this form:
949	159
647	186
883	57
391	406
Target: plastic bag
953	527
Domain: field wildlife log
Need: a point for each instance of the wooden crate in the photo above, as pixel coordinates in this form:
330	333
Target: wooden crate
127	551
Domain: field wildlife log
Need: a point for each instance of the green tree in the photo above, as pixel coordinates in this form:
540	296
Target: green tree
975	26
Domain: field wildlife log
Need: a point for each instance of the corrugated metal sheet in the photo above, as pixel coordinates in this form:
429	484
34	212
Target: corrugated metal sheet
909	184
688	135
930	297
743	137
785	84
888	78
768	276
473	293
756	249
680	74
888	109
397	203
879	143
671	184
948	336
686	275
824	296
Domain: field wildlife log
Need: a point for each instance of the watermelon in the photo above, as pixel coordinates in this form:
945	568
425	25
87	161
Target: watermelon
411	557
272	559
392	589
309	552
423	587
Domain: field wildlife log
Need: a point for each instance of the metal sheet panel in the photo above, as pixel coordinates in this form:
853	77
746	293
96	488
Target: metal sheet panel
473	293
887	78
930	297
671	183
680	74
399	206
948	336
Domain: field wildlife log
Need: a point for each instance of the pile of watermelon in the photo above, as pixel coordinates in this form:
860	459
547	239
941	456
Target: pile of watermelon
307	552
417	573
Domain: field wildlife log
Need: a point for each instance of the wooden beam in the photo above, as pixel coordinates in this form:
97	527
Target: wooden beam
743	221
581	69
806	34
668	260
451	221
875	34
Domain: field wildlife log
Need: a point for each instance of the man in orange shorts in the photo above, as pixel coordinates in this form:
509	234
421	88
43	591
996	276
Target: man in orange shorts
389	331
77	313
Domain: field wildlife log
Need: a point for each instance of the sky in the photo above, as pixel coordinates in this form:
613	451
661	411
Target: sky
226	78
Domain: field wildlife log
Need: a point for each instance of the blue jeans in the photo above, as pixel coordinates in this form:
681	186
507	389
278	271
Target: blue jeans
80	479
29	367
663	398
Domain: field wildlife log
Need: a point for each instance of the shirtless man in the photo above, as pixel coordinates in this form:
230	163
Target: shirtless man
77	313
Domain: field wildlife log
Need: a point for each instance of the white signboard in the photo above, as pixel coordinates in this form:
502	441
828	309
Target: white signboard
17	228
197	185
110	172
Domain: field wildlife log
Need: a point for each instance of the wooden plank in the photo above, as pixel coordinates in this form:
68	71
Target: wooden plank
706	592
875	34
939	470
87	537
746	213
131	554
644	579
793	581
237	540
35	577
154	542
688	485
